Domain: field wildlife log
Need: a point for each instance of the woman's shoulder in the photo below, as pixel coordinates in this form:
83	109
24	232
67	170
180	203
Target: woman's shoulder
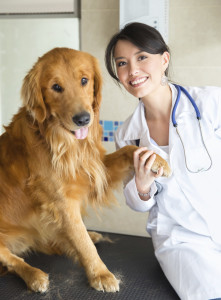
208	100
206	97
204	91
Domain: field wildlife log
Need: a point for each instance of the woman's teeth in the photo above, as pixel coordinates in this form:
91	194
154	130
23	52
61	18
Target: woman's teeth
137	81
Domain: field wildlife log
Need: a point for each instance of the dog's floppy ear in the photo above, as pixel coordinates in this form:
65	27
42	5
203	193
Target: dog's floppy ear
32	95
97	86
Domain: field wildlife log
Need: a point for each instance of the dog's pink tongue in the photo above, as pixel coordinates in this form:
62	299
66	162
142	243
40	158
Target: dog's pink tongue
81	133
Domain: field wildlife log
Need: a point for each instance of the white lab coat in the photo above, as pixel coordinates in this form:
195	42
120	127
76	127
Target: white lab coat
185	216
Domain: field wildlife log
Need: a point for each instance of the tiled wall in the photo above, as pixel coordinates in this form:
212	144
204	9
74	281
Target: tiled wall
109	127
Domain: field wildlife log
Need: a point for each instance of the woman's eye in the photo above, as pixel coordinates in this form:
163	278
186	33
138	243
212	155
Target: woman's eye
142	57
84	81
57	88
121	63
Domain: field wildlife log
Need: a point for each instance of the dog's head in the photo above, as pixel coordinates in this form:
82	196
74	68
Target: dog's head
65	85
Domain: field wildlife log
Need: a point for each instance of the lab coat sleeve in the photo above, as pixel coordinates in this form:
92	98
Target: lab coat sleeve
133	200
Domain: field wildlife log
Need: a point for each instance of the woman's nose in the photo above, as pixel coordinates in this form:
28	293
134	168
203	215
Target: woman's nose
133	69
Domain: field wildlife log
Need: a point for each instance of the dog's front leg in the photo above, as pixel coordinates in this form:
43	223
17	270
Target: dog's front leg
120	163
98	275
35	279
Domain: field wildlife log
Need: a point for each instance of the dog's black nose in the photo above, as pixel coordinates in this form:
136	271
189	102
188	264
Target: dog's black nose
81	119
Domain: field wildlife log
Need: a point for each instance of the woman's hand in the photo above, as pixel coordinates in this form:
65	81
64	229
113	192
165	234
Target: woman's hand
144	177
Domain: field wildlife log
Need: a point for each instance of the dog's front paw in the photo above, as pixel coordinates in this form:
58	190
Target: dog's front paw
38	281
160	162
105	282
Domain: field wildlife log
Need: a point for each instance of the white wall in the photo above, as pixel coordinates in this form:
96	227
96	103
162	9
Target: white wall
22	41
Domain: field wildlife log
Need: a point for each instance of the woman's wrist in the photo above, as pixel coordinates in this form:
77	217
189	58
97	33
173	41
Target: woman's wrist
144	195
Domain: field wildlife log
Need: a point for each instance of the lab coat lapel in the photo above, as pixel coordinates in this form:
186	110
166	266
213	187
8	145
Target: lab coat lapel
172	130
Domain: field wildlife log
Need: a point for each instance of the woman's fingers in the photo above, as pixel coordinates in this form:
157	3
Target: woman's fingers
150	162
143	161
140	157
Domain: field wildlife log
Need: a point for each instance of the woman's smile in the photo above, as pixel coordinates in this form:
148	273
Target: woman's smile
138	81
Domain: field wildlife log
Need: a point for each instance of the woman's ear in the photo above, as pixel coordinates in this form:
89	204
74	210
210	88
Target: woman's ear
32	95
165	60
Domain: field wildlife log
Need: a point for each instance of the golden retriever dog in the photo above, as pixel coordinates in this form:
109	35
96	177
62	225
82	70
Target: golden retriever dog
52	164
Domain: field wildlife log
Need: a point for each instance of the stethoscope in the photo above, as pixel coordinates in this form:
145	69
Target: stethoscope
198	116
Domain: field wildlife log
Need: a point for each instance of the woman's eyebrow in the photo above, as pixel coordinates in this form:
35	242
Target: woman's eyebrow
121	57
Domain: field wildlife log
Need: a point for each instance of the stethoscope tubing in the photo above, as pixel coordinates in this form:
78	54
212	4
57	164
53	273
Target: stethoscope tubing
198	116
179	89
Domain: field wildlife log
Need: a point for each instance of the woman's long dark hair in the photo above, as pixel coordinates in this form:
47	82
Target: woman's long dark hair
144	37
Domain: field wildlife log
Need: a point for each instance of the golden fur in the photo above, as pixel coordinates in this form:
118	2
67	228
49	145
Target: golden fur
48	176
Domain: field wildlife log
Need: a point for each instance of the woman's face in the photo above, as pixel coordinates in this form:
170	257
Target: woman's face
139	72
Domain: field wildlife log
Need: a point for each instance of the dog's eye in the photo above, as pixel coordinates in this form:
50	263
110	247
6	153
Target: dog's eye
84	81
57	88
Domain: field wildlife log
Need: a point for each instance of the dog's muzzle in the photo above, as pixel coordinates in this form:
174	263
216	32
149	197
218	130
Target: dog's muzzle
81	120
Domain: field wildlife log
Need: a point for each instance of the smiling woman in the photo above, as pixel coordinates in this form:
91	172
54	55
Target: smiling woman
183	224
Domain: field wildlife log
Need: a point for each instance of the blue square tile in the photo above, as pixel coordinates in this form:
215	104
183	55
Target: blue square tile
108	125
